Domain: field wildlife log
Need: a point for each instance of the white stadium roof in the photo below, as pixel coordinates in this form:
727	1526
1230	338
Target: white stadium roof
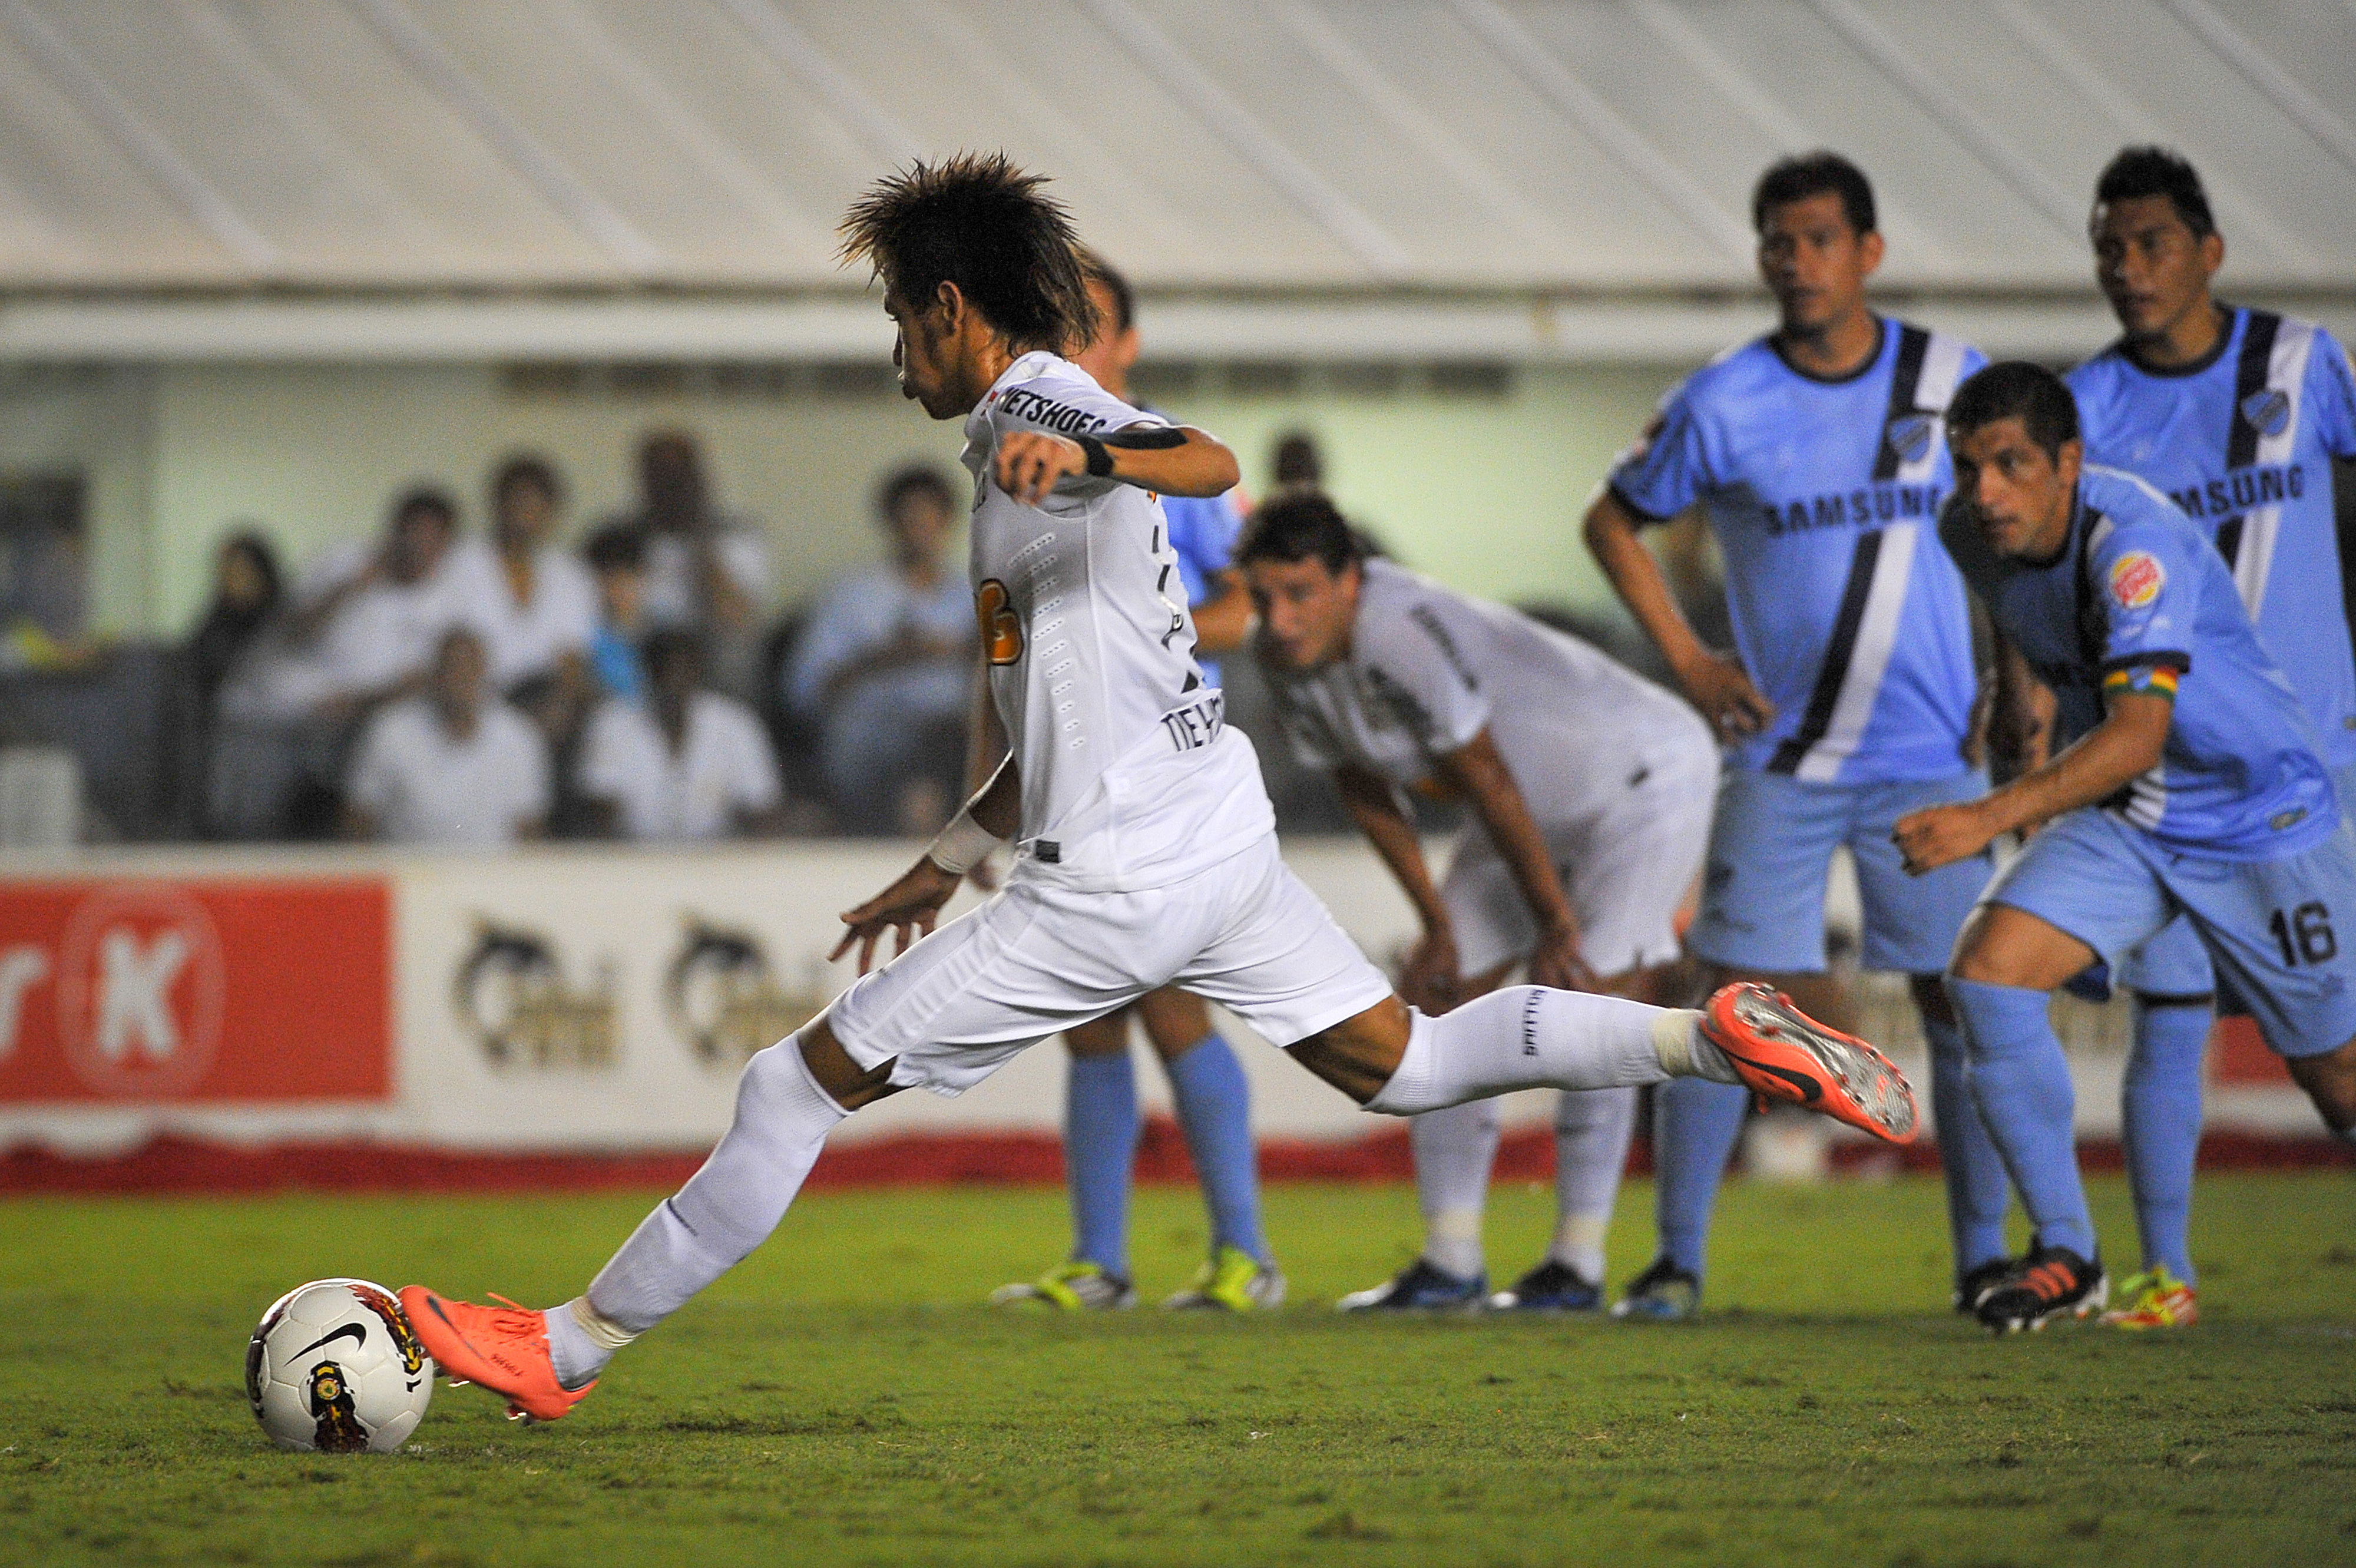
450	177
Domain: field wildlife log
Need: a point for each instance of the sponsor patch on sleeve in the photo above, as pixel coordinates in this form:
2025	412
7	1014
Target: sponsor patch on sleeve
2136	579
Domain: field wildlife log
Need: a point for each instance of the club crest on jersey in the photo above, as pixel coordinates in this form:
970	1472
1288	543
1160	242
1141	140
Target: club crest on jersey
1909	435
2136	579
2267	410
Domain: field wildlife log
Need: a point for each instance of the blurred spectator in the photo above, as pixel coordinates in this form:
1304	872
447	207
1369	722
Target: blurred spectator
455	766
367	619
248	593
44	573
1297	464
536	605
690	764
886	669
706	570
617	558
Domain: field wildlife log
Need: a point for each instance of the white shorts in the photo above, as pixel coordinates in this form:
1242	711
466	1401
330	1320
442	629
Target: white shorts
1626	872
1037	959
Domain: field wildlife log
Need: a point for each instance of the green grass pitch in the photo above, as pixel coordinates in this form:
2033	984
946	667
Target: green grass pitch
842	1398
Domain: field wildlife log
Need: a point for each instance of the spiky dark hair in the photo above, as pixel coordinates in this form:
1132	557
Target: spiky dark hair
978	222
2158	171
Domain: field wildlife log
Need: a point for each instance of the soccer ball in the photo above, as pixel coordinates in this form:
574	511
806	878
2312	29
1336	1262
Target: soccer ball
336	1368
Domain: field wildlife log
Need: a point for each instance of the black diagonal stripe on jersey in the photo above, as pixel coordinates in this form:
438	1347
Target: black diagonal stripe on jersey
2249	379
1905	382
2229	542
1837	655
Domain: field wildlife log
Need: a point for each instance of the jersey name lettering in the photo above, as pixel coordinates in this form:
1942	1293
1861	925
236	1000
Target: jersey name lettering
1197	724
1022	404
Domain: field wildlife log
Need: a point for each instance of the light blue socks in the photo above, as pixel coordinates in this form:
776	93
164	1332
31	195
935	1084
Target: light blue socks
2159	1106
1694	1124
1100	1129
2020	1081
1214	1104
1976	1189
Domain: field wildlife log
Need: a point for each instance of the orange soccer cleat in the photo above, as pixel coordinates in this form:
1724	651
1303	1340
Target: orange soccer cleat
1784	1054
504	1348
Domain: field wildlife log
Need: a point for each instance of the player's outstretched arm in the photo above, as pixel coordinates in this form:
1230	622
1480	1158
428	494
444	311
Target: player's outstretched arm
1430	981
2123	747
1172	460
1714	683
1478	769
911	907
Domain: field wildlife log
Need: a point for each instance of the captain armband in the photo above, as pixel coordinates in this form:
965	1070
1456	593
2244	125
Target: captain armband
2143	680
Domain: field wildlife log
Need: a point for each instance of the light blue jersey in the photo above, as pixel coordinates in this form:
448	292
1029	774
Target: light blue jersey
2242	444
2139	591
1202	531
1824	498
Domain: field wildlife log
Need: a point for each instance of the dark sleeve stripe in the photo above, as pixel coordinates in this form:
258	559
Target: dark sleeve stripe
1639	513
2164	659
1145	436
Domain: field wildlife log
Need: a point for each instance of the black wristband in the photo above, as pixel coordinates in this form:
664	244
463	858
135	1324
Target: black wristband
1100	456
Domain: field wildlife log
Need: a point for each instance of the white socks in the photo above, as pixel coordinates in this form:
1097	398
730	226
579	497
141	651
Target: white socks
1453	1151
1527	1036
581	1340
725	1210
1591	1131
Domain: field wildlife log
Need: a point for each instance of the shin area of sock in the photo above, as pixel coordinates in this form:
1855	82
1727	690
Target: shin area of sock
730	1206
1696	1124
2159	1116
1213	1099
2020	1081
1100	1130
1978	1188
1527	1036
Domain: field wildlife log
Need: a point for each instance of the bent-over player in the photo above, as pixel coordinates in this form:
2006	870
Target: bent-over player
2194	788
1591	791
1145	848
2235	416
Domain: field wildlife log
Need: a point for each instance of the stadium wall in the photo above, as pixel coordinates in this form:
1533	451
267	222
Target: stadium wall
556	1004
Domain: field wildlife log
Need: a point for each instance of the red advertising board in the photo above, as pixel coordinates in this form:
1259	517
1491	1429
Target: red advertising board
138	991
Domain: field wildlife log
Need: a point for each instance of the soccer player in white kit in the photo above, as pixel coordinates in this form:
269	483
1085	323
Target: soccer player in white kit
1145	849
1591	789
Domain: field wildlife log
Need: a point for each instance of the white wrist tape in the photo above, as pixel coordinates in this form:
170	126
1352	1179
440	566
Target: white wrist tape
962	846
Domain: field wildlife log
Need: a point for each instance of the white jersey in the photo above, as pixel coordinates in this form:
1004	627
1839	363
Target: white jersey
1429	669
1130	778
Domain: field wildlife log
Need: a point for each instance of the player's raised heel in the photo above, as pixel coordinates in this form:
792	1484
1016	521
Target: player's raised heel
504	1348
1784	1054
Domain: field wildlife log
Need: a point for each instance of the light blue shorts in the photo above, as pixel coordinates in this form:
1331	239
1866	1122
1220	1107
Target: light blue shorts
2175	965
2272	928
1771	848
